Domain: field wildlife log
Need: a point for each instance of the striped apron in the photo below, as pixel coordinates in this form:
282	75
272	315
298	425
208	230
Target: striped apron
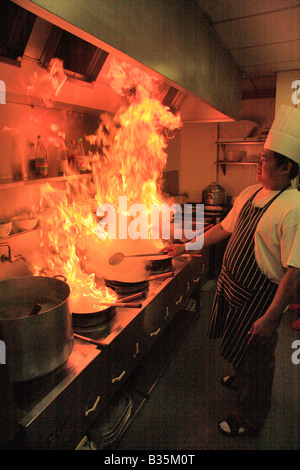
243	292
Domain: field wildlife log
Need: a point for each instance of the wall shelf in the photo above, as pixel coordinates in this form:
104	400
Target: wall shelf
225	163
50	179
239	142
236	141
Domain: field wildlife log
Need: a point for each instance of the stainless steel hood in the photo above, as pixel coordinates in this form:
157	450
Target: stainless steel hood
172	39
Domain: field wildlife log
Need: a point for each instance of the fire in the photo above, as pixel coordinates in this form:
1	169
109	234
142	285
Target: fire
129	161
48	84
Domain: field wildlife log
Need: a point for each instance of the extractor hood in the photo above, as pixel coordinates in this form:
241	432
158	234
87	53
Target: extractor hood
171	39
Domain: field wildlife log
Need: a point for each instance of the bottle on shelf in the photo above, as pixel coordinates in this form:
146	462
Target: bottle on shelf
62	158
82	164
31	161
41	160
72	155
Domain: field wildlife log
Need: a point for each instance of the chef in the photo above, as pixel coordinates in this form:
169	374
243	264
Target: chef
260	274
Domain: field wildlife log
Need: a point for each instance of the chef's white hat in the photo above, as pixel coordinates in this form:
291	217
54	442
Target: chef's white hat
284	135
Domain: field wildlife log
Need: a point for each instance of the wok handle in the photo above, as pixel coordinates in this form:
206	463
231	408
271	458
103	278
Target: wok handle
130	305
92	341
146	254
140	295
160	276
120	304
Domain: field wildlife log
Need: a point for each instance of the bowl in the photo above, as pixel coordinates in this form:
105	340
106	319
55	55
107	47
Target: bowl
5	227
233	155
24	222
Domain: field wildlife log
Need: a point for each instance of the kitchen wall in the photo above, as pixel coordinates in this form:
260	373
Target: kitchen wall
198	154
261	111
20	125
35	105
285	93
22	119
194	152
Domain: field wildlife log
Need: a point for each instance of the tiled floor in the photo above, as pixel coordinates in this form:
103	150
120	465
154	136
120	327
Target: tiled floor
186	404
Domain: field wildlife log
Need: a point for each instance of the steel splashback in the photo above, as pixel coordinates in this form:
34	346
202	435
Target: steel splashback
178	46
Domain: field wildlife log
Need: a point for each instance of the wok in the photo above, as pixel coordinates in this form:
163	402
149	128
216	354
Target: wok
124	287
88	317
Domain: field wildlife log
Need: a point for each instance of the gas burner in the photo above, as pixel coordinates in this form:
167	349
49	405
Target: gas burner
95	332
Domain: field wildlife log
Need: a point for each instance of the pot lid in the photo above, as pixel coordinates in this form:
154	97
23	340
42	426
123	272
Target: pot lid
214	187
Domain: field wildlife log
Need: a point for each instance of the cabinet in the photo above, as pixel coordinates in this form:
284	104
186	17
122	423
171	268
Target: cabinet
238	144
60	418
58	411
139	335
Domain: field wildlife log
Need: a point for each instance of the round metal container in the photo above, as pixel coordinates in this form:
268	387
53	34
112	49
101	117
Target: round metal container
40	343
213	195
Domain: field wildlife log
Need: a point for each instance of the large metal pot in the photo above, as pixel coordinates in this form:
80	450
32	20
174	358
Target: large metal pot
213	195
35	344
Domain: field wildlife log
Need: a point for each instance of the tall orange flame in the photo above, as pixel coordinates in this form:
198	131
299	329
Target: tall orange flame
129	162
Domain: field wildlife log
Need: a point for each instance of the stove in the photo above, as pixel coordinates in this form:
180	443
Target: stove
56	410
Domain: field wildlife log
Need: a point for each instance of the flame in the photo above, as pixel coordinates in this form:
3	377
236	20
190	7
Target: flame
48	84
129	161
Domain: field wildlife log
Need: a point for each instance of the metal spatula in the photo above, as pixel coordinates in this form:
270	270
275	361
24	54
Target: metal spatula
117	258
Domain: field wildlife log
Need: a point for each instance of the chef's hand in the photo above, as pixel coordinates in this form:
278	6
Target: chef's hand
261	331
174	249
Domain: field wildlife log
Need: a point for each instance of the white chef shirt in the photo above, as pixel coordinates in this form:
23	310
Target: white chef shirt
277	236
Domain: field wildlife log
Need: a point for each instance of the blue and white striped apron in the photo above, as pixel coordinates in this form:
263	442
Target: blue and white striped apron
243	293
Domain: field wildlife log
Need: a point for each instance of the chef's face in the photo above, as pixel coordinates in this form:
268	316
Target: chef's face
268	172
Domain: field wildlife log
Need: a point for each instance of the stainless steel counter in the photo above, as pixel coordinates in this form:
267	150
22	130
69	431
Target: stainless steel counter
54	411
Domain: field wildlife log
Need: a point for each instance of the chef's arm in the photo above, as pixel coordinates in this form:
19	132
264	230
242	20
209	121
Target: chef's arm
214	235
287	293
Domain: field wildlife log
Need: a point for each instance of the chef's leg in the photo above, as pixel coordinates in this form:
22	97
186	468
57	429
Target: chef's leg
254	376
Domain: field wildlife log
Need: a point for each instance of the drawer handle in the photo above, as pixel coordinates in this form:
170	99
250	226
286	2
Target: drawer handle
91	410
167	313
188	286
155	333
118	379
203	268
178	301
81	443
196	280
137	350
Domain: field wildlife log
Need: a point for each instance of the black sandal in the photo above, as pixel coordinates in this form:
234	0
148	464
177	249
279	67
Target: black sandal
229	382
235	428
